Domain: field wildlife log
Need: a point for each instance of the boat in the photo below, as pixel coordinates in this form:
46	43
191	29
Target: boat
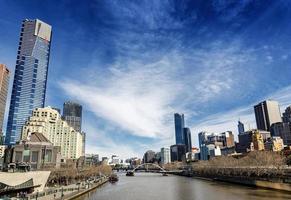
129	173
113	178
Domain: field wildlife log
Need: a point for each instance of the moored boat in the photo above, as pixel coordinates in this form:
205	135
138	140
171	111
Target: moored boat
113	178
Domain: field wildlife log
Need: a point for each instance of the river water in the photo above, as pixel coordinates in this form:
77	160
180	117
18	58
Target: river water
145	186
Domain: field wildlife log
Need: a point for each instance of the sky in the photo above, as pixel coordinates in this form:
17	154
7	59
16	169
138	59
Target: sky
133	64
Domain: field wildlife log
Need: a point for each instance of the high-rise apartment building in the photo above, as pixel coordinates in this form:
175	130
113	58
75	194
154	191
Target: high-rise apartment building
72	113
30	77
165	155
267	113
179	128
49	122
4	83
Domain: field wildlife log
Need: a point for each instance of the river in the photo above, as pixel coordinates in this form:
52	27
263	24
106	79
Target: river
145	186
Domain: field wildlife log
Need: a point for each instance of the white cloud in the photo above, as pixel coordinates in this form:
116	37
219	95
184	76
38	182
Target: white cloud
221	122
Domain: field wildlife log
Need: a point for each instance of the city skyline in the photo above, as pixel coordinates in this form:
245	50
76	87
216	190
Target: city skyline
131	81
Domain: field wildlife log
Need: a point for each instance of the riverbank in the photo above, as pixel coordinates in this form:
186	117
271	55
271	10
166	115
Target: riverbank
278	183
86	190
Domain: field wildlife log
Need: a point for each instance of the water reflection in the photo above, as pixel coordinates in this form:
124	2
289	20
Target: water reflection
154	186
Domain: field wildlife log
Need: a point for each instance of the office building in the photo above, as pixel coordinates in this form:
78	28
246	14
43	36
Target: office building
30	77
91	159
267	113
72	113
149	157
187	137
179	128
252	140
4	83
274	144
49	122
240	127
165	155
178	153
287	115
282	130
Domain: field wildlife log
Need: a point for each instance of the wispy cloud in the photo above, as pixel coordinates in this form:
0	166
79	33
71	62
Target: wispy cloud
221	122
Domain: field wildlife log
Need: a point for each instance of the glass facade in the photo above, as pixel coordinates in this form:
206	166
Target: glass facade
72	113
179	128
188	142
30	77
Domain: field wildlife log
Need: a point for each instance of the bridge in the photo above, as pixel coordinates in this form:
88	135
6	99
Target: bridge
157	168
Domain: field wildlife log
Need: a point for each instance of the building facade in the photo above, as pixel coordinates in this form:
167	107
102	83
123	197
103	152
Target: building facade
72	113
30	77
49	122
240	127
287	115
283	130
149	157
36	151
165	155
178	153
267	113
4	83
188	141
274	144
179	128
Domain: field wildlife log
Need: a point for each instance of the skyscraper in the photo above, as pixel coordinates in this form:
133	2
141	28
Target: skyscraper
4	82
30	77
240	127
165	155
188	142
287	115
179	128
72	113
267	113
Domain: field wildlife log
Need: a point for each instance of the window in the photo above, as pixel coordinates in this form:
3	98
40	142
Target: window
34	156
18	156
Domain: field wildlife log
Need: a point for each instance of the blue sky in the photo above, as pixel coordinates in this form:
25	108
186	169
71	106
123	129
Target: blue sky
132	64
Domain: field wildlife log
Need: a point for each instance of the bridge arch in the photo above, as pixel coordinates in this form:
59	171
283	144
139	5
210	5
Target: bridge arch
152	164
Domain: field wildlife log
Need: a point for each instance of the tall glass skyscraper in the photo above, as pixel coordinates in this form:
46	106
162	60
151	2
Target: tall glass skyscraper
179	128
30	77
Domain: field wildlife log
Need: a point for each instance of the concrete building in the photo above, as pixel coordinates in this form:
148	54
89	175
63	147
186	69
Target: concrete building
252	140
258	141
225	139
2	150
49	122
72	113
283	130
274	144
165	155
4	83
30	77
91	159
149	157
267	113
36	151
287	115
209	151
178	153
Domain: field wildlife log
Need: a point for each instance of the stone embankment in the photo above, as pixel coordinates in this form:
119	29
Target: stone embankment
266	177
